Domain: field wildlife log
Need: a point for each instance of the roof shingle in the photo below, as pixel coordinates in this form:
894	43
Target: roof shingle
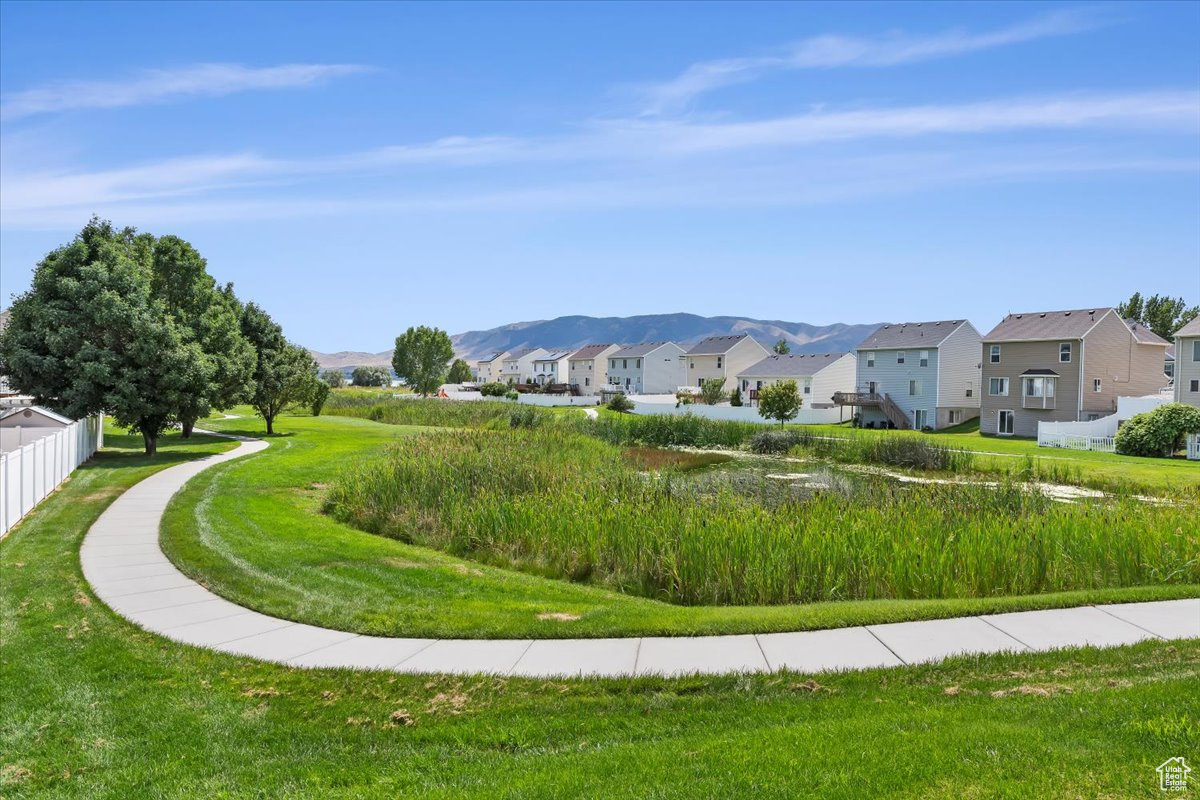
911	334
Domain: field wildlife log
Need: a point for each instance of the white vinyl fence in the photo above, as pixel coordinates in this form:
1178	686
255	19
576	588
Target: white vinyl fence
807	416
1193	447
29	473
1075	441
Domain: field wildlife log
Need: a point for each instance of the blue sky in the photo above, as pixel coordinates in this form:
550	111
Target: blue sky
361	168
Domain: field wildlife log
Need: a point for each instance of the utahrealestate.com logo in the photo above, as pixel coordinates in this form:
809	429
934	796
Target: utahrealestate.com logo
1173	775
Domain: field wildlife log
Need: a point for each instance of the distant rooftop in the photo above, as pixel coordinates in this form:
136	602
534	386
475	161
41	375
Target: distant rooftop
801	365
716	345
589	351
911	334
1036	325
638	349
1191	329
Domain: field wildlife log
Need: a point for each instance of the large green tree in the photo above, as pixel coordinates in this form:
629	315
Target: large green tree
209	316
460	372
421	357
91	335
1161	314
370	376
284	373
780	401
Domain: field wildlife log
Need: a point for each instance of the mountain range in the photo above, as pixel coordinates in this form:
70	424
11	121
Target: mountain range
575	331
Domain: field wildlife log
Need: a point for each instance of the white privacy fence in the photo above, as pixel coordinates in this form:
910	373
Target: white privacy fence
1193	447
807	416
1096	434
1074	441
33	471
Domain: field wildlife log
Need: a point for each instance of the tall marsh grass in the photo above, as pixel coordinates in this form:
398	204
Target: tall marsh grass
556	503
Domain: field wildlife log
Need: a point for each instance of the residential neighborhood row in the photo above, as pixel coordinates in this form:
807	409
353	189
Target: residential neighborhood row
1051	366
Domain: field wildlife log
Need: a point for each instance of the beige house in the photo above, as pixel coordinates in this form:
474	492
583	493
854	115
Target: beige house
817	375
587	369
1064	366
490	370
723	357
1187	364
551	368
517	366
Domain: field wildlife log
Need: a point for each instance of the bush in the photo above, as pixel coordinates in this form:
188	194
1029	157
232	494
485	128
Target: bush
735	399
493	389
712	391
524	417
684	398
1159	432
320	393
511	394
774	442
371	376
620	403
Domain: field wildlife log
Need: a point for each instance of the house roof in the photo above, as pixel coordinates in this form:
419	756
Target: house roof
554	355
1191	329
1040	372
911	334
1171	353
590	351
638	349
716	345
492	357
1036	325
45	412
524	351
801	365
1143	334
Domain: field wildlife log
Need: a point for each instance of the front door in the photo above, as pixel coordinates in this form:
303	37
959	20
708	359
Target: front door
920	419
1004	424
872	388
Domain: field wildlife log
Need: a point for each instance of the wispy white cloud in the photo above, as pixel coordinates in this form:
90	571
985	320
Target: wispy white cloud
829	51
629	151
154	86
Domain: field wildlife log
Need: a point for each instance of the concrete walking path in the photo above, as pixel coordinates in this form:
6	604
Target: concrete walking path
122	560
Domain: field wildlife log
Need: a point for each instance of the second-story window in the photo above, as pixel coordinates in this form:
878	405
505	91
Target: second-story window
870	359
924	358
900	357
718	362
994	356
1064	353
638	365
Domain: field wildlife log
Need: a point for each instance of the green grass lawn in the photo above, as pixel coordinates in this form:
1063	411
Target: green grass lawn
92	707
250	529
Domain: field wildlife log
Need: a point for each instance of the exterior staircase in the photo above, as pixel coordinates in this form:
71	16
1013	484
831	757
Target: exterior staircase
884	402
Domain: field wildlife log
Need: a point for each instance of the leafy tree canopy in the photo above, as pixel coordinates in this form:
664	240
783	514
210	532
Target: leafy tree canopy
334	378
371	376
420	358
780	401
782	347
284	373
1161	314
712	391
460	372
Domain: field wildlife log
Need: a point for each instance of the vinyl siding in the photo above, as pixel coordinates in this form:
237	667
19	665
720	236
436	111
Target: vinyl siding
837	377
736	360
1124	367
660	372
959	355
1186	371
1016	358
590	374
893	379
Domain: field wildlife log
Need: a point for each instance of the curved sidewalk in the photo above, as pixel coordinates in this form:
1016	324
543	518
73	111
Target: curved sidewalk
122	560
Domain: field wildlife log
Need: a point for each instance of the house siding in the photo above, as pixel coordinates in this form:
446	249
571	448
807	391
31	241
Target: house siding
959	358
892	378
837	377
1124	367
736	360
1016	358
590	375
1187	369
660	372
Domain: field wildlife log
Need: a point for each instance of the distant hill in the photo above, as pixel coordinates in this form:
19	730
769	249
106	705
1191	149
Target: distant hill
576	331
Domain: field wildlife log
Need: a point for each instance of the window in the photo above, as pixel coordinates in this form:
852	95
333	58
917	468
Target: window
1196	350
691	363
924	358
998	387
920	418
1039	387
1095	384
1064	353
900	357
624	363
639	363
587	381
808	388
719	362
994	356
612	363
914	388
1004	423
870	359
1194	385
954	417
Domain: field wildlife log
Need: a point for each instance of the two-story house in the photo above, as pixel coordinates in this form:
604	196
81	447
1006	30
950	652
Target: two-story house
917	375
490	369
818	376
588	367
723	357
551	367
1064	366
1187	364
517	365
647	368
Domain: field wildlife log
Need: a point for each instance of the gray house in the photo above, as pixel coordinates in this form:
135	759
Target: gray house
647	368
917	375
818	376
1187	364
1065	366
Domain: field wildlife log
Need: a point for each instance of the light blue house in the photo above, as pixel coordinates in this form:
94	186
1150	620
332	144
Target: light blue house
917	375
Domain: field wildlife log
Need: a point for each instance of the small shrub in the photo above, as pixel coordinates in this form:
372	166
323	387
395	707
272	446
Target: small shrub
620	403
773	442
735	399
493	389
712	391
684	398
524	417
511	394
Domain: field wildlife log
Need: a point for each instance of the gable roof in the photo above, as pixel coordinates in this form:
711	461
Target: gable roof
1037	325
44	412
492	357
519	354
554	355
1144	335
590	351
716	345
642	349
802	365
1191	329
911	334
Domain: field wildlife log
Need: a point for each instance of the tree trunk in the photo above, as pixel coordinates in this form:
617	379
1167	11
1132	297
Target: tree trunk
188	425
270	418
151	441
